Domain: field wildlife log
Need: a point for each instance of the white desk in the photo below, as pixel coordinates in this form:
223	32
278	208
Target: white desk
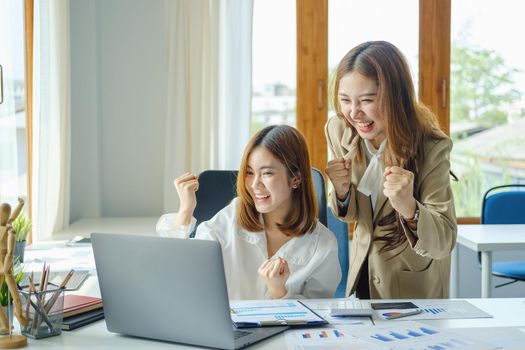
506	312
486	239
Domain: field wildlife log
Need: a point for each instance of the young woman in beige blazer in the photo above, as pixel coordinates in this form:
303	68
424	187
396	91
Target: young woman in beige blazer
390	174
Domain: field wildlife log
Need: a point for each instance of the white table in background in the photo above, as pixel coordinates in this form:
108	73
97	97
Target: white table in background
486	239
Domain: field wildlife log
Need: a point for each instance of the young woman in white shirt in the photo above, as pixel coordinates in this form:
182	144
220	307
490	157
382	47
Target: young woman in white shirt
273	244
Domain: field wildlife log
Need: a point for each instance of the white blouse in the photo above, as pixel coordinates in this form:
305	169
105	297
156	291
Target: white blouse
312	258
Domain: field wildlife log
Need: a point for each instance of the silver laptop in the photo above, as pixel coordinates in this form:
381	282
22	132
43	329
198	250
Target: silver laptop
168	289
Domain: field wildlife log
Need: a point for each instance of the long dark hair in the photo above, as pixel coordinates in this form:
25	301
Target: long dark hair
408	122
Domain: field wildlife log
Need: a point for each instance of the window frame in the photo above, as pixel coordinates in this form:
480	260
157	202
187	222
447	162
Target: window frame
29	7
312	70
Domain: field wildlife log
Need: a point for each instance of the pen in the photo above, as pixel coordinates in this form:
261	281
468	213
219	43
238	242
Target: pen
283	322
246	324
393	316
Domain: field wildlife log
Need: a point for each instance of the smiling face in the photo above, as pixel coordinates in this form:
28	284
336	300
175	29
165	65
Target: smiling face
268	183
358	100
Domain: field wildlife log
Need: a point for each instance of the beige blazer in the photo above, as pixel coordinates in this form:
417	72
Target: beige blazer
420	268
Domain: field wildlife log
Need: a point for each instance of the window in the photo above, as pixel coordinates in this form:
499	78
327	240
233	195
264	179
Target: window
351	23
274	63
487	110
13	152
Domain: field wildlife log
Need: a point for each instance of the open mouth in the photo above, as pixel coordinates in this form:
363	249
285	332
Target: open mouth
365	126
261	197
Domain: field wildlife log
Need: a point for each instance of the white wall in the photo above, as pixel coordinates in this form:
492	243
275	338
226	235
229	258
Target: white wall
118	79
85	174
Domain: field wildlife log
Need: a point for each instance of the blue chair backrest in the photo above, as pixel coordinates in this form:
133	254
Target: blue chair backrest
338	227
340	230
504	205
320	193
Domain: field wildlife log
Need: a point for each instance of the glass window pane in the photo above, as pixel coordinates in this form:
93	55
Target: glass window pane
274	63
13	161
487	110
353	22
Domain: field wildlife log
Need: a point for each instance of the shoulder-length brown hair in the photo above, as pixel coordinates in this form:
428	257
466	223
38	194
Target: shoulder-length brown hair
289	146
408	122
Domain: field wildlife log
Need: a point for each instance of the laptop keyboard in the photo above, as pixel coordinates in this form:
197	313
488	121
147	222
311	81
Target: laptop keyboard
239	334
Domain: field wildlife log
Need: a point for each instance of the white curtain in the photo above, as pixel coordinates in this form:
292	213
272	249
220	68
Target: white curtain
51	117
209	87
12	111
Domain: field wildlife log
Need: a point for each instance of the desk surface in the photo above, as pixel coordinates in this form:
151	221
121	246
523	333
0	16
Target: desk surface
506	312
492	237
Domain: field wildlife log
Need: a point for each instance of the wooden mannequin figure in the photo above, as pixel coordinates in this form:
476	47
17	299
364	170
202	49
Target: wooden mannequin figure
7	247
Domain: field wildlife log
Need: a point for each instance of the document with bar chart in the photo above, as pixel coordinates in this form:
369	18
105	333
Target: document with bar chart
332	338
411	335
395	335
259	313
439	310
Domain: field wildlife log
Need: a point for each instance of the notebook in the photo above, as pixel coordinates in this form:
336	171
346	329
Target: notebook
190	306
76	321
78	304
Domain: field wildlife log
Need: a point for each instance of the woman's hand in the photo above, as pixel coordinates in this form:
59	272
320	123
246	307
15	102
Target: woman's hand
186	185
399	189
339	170
275	273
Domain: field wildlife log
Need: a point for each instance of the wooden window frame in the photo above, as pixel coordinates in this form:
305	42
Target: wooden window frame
28	27
312	74
312	70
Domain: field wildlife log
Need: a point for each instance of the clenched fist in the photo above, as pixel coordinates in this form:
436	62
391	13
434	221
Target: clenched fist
399	189
275	273
339	171
186	185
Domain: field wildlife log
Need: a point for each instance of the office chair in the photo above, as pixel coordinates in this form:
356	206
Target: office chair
340	230
505	205
338	227
216	190
320	193
218	187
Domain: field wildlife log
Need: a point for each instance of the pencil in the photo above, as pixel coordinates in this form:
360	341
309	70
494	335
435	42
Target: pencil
39	310
60	289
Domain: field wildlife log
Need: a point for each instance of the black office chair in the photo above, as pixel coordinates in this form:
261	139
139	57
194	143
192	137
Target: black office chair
505	205
218	187
216	190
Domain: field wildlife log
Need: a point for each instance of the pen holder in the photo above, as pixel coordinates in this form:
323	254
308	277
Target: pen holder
44	311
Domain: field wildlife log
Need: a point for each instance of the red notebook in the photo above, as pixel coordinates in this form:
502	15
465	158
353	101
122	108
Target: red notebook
77	304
